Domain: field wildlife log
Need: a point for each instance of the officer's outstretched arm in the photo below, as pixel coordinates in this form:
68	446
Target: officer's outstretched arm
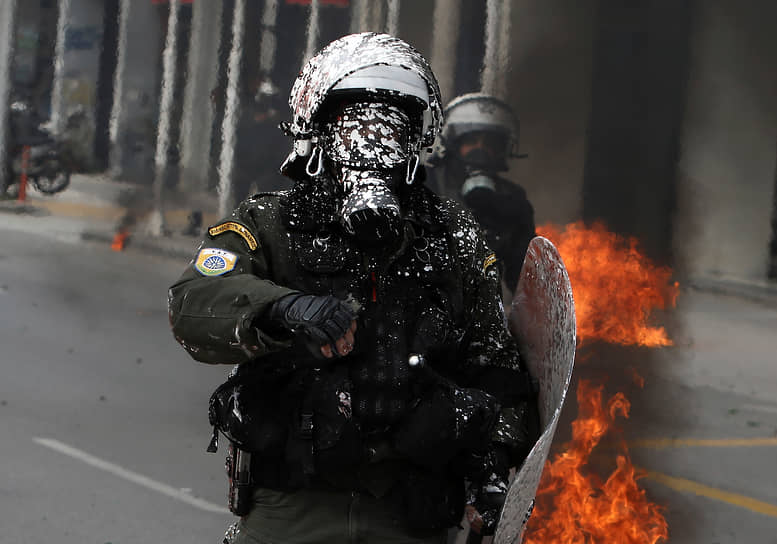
215	306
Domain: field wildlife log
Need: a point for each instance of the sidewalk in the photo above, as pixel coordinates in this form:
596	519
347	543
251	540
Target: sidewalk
97	206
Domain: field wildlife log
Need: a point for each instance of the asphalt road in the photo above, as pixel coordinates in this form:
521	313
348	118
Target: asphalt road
88	362
704	424
103	417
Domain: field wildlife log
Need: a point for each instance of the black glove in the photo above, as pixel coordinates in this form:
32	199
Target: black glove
320	320
488	488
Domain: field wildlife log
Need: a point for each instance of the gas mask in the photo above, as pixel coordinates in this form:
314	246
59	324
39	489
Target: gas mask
481	155
478	192
369	148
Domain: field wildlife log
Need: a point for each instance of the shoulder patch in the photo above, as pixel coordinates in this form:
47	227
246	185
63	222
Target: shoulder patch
234	226
214	262
490	260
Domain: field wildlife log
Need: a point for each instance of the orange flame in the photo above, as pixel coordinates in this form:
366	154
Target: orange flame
615	289
575	507
614	285
120	240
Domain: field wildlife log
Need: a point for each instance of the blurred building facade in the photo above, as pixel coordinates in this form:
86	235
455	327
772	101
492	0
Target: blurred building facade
658	118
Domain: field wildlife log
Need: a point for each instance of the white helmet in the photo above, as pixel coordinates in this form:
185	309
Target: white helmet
377	65
477	112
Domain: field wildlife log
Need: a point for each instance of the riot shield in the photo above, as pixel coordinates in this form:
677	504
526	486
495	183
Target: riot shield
542	319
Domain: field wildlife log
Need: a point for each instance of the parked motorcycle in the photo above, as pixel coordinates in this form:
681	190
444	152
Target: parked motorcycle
48	164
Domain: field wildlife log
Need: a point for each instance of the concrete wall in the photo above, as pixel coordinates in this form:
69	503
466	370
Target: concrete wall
80	71
638	95
201	79
729	142
549	87
136	100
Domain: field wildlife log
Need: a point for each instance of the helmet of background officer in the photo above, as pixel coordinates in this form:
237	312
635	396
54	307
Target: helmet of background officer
267	100
363	109
480	131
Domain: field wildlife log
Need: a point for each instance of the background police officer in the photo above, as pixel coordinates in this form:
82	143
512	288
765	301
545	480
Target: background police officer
479	136
375	377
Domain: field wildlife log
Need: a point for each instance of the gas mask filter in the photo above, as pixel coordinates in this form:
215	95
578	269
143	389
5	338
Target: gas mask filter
479	193
368	145
481	155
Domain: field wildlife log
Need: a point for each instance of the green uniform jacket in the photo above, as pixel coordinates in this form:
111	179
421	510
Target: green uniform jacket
436	292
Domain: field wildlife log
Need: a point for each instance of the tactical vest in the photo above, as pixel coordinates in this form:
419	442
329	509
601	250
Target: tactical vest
363	421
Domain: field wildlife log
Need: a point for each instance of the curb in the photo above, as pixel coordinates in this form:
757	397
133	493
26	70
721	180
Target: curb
21	208
162	247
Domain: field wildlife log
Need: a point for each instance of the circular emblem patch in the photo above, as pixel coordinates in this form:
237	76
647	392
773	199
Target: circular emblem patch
214	262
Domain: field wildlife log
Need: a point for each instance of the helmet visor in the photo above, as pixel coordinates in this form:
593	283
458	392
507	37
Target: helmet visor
368	135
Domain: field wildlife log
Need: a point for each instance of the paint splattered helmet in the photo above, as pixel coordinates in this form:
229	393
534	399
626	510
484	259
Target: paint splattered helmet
367	67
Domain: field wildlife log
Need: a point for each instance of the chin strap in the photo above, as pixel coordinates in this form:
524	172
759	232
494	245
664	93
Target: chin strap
312	160
410	175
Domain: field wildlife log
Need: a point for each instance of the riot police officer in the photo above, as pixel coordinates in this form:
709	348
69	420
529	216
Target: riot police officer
479	135
374	375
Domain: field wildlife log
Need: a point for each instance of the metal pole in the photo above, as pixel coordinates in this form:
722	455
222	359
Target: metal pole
22	196
503	51
490	66
359	16
197	115
57	115
118	89
157	224
445	38
392	17
7	20
268	45
312	43
377	16
229	124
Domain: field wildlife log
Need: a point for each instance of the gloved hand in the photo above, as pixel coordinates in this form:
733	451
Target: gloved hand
488	491
325	323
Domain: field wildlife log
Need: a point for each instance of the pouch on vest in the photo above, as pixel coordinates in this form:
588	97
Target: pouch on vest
250	412
435	334
324	438
336	440
447	420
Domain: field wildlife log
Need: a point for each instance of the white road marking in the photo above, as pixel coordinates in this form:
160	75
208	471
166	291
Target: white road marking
134	477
